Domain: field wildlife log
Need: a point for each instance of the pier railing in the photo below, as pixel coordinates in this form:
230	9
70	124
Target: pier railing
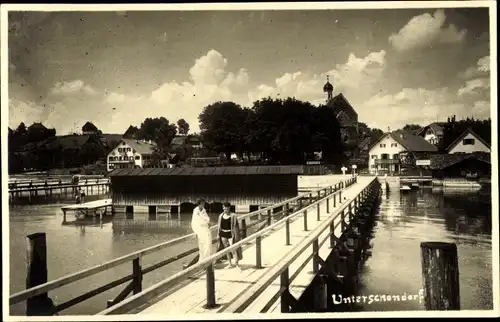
135	286
325	195
349	210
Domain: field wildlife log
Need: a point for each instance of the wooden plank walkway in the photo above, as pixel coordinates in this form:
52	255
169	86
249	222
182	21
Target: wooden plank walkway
89	205
230	282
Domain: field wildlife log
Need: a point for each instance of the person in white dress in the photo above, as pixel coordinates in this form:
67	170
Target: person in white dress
200	223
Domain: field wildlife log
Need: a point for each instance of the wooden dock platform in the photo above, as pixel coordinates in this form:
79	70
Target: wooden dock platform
89	209
191	297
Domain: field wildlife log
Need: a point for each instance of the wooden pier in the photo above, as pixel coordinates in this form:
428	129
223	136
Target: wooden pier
291	223
57	189
89	209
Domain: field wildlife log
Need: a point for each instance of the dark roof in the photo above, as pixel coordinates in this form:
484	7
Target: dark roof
110	138
409	141
468	131
190	171
442	161
89	127
364	143
37	126
340	103
66	142
185	139
436	127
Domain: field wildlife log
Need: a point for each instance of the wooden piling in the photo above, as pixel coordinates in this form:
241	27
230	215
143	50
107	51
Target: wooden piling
321	294
440	276
36	274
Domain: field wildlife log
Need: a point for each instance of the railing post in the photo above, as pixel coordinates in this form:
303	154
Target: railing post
319	195
305	220
258	247
334	200
318	212
309	201
332	235
350	212
340	196
269	216
342	220
210	287
328	204
137	272
287	231
284	285
315	253
440	276
243	228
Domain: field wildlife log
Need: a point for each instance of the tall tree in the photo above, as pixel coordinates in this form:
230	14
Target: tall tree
221	124
183	127
411	127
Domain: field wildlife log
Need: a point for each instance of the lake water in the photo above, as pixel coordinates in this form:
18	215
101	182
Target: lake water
404	221
407	219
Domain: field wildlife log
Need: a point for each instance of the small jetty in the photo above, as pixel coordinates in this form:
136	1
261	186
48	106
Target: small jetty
89	209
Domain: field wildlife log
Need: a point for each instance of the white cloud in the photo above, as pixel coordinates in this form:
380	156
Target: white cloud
420	106
76	86
471	87
424	31
360	79
482	67
23	111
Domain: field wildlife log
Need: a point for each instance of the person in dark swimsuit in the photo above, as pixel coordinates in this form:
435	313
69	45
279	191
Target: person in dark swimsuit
226	232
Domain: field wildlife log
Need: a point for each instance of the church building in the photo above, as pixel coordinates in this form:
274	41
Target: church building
346	116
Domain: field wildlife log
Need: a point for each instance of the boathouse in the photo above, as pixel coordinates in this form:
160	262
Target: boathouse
160	190
466	166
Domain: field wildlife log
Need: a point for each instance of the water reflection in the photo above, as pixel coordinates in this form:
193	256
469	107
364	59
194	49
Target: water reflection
407	219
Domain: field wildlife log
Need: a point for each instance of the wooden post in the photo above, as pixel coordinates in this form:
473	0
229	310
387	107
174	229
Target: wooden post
269	214
334	200
305	220
210	287
318	212
321	294
36	274
258	255
332	235
285	284
319	195
315	253
287	231
340	196
328	205
440	276
243	228
64	216
137	272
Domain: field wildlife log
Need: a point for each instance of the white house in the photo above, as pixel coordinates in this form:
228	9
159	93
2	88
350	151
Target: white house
468	142
389	152
433	133
129	153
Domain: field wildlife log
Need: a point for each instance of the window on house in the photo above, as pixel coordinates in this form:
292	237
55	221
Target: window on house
137	157
385	156
110	158
374	156
468	142
119	150
394	145
382	145
395	156
131	158
123	143
129	149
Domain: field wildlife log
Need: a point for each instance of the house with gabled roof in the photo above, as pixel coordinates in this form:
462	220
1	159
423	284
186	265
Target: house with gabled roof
130	153
469	142
89	128
397	150
432	133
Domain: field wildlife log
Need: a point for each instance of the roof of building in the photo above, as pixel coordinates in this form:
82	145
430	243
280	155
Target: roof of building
190	171
89	126
442	161
409	141
37	125
364	143
340	103
66	142
468	131
436	127
140	147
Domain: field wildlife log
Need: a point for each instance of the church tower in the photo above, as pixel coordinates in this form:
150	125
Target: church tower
328	89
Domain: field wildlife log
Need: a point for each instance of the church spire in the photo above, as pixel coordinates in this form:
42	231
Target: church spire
328	89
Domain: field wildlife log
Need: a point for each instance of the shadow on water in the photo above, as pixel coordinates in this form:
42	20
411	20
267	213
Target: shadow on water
404	220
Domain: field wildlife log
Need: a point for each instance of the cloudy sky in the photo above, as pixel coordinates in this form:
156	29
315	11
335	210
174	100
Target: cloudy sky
395	66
